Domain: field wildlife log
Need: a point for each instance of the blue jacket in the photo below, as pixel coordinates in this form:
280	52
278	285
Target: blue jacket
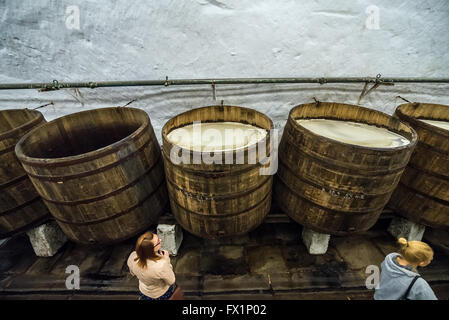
395	279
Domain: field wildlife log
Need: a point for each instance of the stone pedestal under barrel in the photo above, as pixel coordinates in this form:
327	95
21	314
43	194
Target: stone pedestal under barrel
218	200
100	172
334	187
21	207
422	195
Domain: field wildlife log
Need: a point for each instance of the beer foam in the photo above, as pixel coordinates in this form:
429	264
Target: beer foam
437	123
355	133
216	136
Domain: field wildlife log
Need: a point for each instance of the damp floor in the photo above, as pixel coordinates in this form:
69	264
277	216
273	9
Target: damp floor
269	263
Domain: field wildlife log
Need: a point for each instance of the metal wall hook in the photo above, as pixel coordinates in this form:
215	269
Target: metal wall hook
322	80
214	91
363	93
133	100
379	78
56	85
317	102
92	85
377	82
414	104
44	105
167	83
402	99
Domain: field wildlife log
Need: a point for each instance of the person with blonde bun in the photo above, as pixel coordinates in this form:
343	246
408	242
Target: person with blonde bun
399	279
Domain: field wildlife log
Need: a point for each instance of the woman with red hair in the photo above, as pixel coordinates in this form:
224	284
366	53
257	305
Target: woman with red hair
152	267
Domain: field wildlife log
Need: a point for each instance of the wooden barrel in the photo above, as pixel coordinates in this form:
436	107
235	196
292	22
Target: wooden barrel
21	208
217	200
99	172
422	195
333	187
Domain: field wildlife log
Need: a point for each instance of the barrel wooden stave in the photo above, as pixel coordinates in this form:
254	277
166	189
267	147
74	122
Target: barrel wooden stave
343	156
322	219
333	187
221	204
336	176
11	169
215	226
206	182
22	218
95	178
96	208
17	194
432	185
329	197
420	208
20	205
217	200
429	160
423	192
131	223
105	195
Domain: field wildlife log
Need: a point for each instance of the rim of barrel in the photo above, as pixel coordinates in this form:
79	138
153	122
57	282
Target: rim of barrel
413	140
168	142
101	152
29	124
417	121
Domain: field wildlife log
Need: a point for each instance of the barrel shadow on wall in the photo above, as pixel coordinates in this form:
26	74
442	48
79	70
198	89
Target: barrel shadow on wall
334	187
100	173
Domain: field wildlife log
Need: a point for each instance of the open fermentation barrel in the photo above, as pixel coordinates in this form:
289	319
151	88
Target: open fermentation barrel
21	207
422	195
229	194
99	172
339	164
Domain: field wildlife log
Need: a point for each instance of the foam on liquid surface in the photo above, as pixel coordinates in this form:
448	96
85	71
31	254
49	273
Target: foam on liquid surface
437	123
354	133
216	136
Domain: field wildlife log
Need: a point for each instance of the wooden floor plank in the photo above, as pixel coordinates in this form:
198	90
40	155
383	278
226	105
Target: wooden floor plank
104	274
43	265
31	283
16	256
95	260
115	266
73	255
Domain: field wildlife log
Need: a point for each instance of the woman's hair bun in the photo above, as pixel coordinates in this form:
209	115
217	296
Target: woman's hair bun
402	241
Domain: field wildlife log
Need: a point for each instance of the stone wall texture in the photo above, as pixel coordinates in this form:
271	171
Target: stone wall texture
130	40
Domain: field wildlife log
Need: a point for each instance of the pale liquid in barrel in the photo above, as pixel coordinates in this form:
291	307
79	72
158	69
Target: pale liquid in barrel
356	133
437	123
216	136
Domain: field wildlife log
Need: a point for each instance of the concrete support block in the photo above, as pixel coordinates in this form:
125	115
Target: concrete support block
403	228
316	243
171	237
47	239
